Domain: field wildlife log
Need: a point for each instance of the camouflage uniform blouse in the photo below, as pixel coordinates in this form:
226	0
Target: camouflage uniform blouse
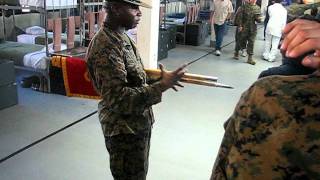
296	10
118	75
274	132
248	17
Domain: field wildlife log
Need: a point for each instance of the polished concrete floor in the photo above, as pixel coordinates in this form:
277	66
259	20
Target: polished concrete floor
53	137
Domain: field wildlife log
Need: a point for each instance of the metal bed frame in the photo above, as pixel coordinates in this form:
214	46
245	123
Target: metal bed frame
44	21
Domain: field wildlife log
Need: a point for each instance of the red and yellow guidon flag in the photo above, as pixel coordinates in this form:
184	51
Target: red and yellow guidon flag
76	78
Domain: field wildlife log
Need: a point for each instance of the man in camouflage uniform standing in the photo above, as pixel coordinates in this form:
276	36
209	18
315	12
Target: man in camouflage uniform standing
274	130
236	22
118	75
248	17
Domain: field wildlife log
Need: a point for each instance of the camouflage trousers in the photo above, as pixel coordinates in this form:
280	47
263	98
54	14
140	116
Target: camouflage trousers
239	44
129	154
247	37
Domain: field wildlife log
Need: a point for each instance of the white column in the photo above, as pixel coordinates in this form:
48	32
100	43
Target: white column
147	34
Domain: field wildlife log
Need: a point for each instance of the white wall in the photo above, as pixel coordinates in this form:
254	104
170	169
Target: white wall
147	34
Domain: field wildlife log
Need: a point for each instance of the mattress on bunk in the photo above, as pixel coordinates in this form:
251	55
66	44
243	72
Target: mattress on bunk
9	2
16	51
49	3
27	38
176	18
36	60
41	39
79	52
175	21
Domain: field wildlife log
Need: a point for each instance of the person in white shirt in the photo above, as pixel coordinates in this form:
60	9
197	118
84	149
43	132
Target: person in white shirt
222	10
277	21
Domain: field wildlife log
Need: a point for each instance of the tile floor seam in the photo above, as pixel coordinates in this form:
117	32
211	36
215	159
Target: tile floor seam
46	137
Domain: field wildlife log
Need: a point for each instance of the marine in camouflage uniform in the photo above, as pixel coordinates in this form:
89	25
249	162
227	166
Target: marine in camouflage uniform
296	10
249	16
238	45
125	109
118	75
274	132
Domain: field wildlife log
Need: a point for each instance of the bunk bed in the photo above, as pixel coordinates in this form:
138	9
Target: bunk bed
66	68
184	15
17	52
40	39
178	25
30	57
10	49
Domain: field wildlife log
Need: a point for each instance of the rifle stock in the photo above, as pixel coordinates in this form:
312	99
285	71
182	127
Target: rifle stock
190	78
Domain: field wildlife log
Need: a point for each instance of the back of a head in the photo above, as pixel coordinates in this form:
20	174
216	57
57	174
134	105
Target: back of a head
277	1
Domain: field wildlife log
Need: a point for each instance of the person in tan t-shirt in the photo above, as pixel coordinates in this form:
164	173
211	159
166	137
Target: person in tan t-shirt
222	10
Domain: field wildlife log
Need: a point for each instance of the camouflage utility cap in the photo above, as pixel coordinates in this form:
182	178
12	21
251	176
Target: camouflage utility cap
135	2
